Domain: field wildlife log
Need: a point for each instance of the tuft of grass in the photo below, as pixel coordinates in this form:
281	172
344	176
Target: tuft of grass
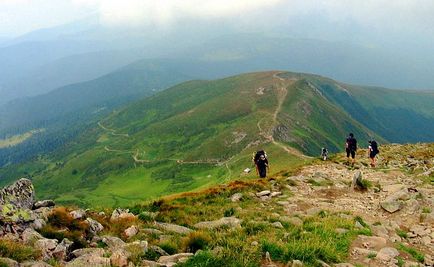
145	217
196	241
361	221
229	212
426	210
413	252
372	255
169	247
401	233
17	251
400	262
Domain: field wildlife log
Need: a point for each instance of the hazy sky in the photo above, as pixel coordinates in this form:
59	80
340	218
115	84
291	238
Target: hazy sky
397	16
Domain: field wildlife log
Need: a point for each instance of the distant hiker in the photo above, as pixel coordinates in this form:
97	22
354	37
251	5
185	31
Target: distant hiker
373	151
261	162
324	153
351	147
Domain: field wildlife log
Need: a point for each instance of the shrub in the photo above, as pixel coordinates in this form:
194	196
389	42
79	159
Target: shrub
229	212
196	241
17	251
169	247
401	233
145	217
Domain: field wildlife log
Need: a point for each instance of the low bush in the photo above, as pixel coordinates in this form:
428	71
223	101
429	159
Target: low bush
196	241
17	251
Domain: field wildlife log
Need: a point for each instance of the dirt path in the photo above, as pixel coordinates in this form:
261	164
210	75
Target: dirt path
112	131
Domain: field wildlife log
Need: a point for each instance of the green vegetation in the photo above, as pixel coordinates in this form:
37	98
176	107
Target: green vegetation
17	251
413	252
17	139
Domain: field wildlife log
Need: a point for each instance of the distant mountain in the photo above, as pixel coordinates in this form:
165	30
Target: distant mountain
204	132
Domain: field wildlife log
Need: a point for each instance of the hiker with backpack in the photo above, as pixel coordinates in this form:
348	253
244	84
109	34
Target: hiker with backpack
373	151
261	162
351	147
324	153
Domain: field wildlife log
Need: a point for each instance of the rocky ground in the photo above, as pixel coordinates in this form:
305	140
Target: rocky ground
381	216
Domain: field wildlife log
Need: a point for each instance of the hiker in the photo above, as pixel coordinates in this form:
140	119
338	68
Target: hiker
351	147
324	153
373	151
261	162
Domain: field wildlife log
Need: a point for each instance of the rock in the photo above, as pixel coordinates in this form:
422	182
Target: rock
35	264
254	243
77	214
263	193
297	263
30	236
372	242
168	260
119	259
146	263
43	204
363	251
358	225
173	228
393	188
391	206
400	195
138	245
429	261
231	222
419	230
89	260
121	214
313	211
322	264
283	203
62	250
277	225
114	243
131	231
94	226
292	220
379	230
345	264
236	197
429	218
341	231
9	262
20	194
158	250
88	251
38	224
357	181
411	264
275	194
46	246
387	253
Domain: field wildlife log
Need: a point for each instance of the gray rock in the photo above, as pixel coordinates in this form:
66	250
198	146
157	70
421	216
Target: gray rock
387	253
231	222
38	224
169	260
119	258
9	262
173	228
94	226
44	204
158	250
30	236
263	193
77	214
35	264
46	246
292	220
357	180
345	264
89	260
236	197
391	206
62	250
20	194
275	194
131	231
121	214
297	263
99	252
113	242
277	225
146	263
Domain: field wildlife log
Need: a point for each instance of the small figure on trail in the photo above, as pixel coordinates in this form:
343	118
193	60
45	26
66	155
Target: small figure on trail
351	147
261	162
324	153
373	151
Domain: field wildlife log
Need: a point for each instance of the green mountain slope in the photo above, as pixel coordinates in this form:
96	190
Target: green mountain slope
200	133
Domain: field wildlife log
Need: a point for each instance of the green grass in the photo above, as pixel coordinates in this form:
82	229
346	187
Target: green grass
17	251
412	251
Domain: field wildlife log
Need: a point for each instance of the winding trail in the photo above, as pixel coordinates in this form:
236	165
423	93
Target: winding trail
112	131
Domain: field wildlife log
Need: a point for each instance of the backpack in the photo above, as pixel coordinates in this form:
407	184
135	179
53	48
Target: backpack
258	154
352	143
374	146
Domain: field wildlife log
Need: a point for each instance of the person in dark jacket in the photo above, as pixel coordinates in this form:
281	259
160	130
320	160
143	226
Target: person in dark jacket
373	151
351	147
262	166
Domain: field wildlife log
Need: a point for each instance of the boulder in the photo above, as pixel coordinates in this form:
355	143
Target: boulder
38	224
62	250
173	259
43	204
277	225
387	253
231	222
113	243
146	263
8	262
297	263
158	250
121	214
88	251
46	246
30	236
77	214
236	197
35	264
173	228
292	220
357	181
263	193
119	258
391	206
94	226
131	231
89	260
21	194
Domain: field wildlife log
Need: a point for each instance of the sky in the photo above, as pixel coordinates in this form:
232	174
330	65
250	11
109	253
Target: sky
383	16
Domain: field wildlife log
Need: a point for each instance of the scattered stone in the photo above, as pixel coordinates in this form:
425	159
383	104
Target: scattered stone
114	243
62	250
173	228
344	265
119	259
94	226
151	231
263	193
121	214
372	242
131	231
275	194
46	246
387	253
297	263
35	264
313	211
391	206
158	250
97	252
89	260
357	181
30	236
236	197
277	225
231	222
38	224
358	225
77	214
146	263
44	204
170	260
